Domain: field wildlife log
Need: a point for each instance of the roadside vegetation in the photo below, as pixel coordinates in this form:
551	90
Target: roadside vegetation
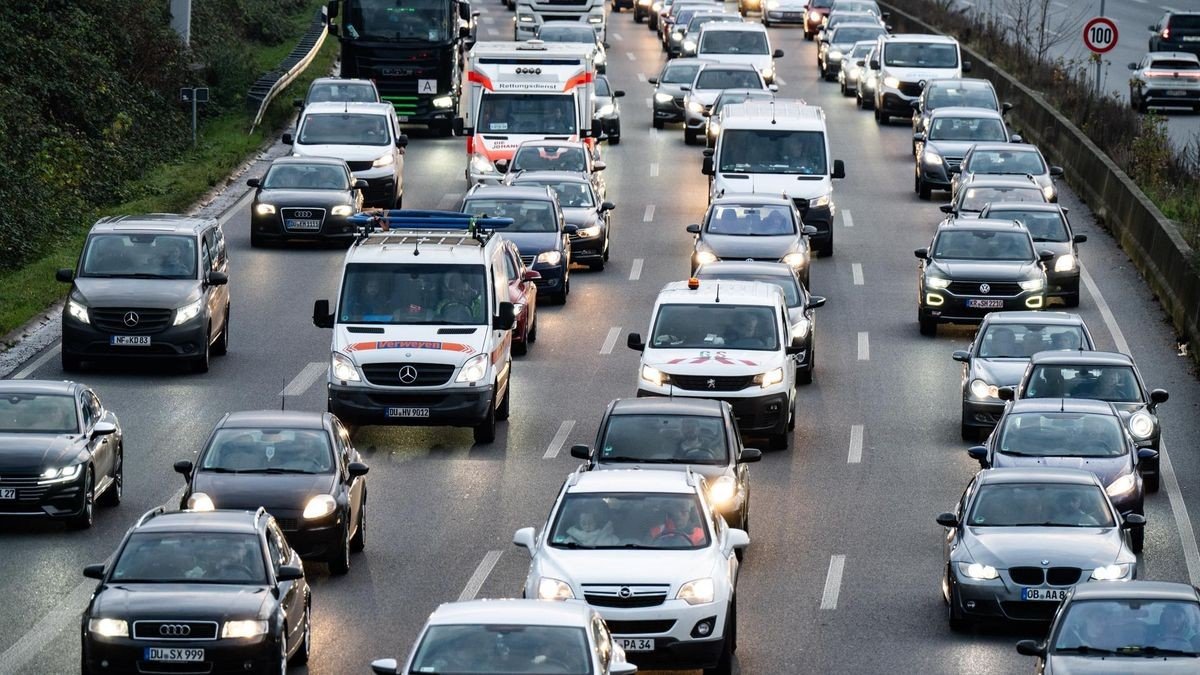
92	123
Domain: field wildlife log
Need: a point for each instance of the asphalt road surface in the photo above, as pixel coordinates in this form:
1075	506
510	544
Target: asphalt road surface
843	571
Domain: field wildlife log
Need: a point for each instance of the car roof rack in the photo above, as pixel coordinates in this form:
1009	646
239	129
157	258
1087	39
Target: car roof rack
386	220
156	511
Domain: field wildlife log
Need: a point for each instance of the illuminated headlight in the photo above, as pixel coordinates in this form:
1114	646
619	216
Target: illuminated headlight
982	390
814	16
800	328
644	3
770	378
834	55
386	160
705	257
443	102
1112	572
189	311
265	209
1065	263
109	628
606	109
77	310
601	58
1141	425
1033	285
891	82
60	475
587	232
1048	191
722	491
656	6
823	200
653	375
698	592
695	107
936	283
319	507
768	72
342	210
200	502
932	157
977	571
1121	485
554	589
595	19
663	98
689	45
795	259
244	629
714	128
343	368
677	36
481	164
474	369
872	81
549	257
525	18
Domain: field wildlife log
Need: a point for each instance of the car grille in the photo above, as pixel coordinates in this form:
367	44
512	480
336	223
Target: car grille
29	494
528	260
361	166
1029	611
175	630
678	101
801	206
1054	576
625	596
995	288
1027	576
640	627
911	88
148	320
288	524
715	383
1063	576
317	215
426	375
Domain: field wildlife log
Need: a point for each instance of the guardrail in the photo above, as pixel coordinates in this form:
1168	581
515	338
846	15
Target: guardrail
1150	239
265	88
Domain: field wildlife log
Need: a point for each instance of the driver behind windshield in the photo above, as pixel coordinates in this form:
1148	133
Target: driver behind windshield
461	302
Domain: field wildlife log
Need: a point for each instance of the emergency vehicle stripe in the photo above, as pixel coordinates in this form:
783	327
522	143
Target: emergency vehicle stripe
482	79
582	78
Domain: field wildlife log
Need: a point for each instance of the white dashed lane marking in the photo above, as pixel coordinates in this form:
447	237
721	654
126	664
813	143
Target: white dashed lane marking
856	444
304	379
847	219
481	574
611	340
857	273
649	215
653	169
636	272
864	346
560	437
833	582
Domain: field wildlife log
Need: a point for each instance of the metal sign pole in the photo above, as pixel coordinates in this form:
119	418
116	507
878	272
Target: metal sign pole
194	105
1099	58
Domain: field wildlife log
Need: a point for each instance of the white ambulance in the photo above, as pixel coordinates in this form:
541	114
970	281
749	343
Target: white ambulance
726	340
422	325
520	91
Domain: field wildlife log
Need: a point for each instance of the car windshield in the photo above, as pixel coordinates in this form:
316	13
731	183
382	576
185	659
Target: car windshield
975	198
344	129
239	450
852	6
1062	434
629	520
1133	627
1020	162
698	21
1016	340
549	114
767	220
966	129
350	92
960	95
683	439
733	42
861	51
820	4
413	294
789	284
1043	225
503	649
1117	384
850	34
22	413
549	158
716	325
529	215
192	557
1040	504
982	245
568	34
407	21
920	55
679	74
723	78
306	177
770	151
571	194
727	98
149	256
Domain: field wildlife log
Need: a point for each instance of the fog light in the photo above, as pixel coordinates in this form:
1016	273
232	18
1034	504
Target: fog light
934	300
1034	303
704	627
970	604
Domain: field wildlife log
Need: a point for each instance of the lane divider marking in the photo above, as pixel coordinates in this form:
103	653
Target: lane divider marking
856	444
833	582
856	271
864	346
636	272
649	215
481	574
304	379
611	340
560	437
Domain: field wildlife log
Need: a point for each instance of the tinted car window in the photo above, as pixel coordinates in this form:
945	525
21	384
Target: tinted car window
570	194
191	557
1043	225
629	520
920	55
269	450
1047	505
679	74
344	129
38	414
1173	64
966	129
508	649
767	220
664	438
1006	162
1184	22
353	92
982	245
733	42
789	284
1106	383
139	255
1133	627
529	215
306	177
412	294
705	326
847	34
1024	340
710	78
549	158
1062	434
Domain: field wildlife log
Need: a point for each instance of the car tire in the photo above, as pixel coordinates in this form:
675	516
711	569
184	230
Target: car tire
809	36
533	330
521	348
765	21
71	363
825	248
805	375
928	326
502	411
881	117
658	124
968	432
924	192
637	16
339	559
221	347
359	541
116	490
866	103
485	431
1150	482
399	201
1137	538
954	616
689	136
301	655
87	512
282	666
596	265
200	363
615	138
842	88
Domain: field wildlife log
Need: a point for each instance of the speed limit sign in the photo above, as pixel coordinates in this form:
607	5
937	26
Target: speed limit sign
1100	34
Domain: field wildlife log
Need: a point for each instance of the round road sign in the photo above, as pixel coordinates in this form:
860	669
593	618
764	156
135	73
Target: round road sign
1100	34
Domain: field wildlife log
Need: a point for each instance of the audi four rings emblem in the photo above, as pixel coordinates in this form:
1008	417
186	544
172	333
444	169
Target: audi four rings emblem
175	630
303	214
529	71
131	319
985	288
625	592
408	374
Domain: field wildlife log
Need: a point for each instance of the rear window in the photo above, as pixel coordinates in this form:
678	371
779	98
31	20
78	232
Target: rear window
920	55
1184	22
733	42
680	74
848	34
1175	64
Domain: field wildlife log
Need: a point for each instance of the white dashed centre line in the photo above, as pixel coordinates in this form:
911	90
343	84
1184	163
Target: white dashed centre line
611	340
38	362
653	169
833	582
847	219
560	437
856	271
642	78
649	215
864	346
304	379
636	272
481	574
631	55
856	444
618	37
448	201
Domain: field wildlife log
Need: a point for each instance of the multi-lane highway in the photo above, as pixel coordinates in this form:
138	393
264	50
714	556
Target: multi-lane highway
842	574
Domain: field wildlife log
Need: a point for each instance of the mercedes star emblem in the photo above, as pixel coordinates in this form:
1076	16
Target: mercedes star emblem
985	288
131	319
408	374
625	592
175	630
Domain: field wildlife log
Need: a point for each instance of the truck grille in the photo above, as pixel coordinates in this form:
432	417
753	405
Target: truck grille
714	383
420	375
143	321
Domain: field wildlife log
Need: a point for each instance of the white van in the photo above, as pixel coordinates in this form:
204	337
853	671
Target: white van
777	148
727	340
738	43
366	135
422	327
905	63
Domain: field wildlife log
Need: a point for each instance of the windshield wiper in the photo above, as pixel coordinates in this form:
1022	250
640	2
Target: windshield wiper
275	470
219	469
573	545
621	458
1084	649
1151	650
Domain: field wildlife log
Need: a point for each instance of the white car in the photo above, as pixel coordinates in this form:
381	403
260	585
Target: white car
739	43
648	551
518	636
366	135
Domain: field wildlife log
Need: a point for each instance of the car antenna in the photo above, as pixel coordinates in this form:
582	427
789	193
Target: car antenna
1062	405
773	109
718	299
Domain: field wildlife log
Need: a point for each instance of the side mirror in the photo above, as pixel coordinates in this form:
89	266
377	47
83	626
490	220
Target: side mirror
65	276
402	141
796	346
860	63
947	519
95	571
685	87
966	66
570	229
874	64
921	253
298	103
749	455
607	206
1144	454
946	208
1016	138
815	301
1031	648
599	166
288	139
254	183
216	278
978	453
502	165
1006	394
1079	238
1005	107
919	136
331	10
183	467
1056	171
597	128
1159	396
1131	520
839	169
322	316
777	54
736	539
524	538
652	80
361	184
694	228
289	573
619	93
1152	28
1132	66
385	667
506	316
634	342
103	429
809	230
772	88
531	275
706	167
357	469
708	152
581	451
961	355
1045	256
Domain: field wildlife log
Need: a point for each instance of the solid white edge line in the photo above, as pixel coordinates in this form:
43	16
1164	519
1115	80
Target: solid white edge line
864	346
481	574
236	208
304	379
40	361
847	219
560	437
636	272
857	273
856	444
833	582
649	215
650	104
1105	312
611	340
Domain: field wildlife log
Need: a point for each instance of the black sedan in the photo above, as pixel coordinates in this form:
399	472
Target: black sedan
753	227
608	109
1051	231
300	466
582	207
305	198
1076	434
61	451
983	189
974	267
188	592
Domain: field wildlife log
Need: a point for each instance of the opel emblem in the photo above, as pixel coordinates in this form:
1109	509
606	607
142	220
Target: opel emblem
175	630
985	288
921	84
625	592
131	319
408	374
712	384
303	214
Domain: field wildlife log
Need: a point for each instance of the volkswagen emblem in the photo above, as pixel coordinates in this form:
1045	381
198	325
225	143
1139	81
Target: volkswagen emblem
408	374
712	384
131	319
175	630
303	214
985	288
625	592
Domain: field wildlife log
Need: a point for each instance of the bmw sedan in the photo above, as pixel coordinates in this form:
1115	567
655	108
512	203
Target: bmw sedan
61	451
1021	540
1051	231
753	227
305	198
300	466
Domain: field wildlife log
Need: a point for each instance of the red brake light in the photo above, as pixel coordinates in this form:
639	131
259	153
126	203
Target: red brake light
1166	34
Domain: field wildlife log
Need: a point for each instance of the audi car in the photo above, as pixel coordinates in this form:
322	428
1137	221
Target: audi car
1051	231
304	198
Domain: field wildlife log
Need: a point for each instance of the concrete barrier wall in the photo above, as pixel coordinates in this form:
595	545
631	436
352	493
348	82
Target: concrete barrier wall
1151	240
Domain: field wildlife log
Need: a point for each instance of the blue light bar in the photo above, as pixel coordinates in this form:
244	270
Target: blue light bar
414	219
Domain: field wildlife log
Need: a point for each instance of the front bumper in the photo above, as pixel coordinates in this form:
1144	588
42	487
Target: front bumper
981	414
671	111
588	248
893	102
671	625
954	309
756	415
271	227
935	175
221	657
553	277
312	539
1060	284
85	341
450	406
1000	598
55	500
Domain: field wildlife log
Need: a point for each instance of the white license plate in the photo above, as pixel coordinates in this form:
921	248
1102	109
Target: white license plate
407	412
636	644
1191	38
402	118
174	654
303	224
129	340
985	304
1045	594
8	493
1176	92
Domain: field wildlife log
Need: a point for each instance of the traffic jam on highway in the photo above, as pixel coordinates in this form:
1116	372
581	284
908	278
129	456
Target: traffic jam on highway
444	316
